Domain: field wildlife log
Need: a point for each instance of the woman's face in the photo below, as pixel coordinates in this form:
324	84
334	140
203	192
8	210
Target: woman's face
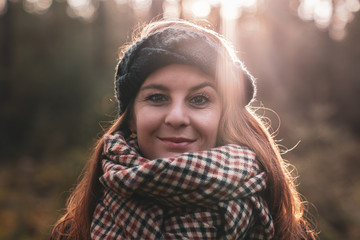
176	110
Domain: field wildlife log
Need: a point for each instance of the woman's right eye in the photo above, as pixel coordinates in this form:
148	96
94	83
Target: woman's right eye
156	98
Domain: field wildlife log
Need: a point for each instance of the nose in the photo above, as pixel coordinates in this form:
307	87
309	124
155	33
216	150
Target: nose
177	115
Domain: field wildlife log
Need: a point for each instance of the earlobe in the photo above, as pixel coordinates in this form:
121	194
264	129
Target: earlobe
132	127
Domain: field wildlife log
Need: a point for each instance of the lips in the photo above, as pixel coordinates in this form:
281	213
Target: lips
176	142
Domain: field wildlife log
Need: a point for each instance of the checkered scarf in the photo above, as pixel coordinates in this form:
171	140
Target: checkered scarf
211	194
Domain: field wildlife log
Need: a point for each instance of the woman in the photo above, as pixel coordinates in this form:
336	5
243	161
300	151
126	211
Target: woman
187	158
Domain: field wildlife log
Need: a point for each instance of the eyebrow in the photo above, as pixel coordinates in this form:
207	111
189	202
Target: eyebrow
163	88
153	86
202	85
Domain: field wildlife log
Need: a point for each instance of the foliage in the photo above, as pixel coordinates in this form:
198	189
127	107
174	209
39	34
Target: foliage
56	94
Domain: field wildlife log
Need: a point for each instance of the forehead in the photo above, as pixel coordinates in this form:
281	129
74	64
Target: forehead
178	75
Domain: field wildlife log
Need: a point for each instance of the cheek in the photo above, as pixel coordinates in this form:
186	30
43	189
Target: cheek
147	120
208	124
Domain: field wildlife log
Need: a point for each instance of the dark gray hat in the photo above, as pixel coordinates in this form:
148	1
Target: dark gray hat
169	46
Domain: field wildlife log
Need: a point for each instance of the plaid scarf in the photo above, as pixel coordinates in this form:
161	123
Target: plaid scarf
211	194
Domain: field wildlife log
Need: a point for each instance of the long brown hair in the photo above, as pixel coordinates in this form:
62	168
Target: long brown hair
239	124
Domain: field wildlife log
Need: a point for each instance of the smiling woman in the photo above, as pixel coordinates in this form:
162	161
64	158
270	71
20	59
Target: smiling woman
187	158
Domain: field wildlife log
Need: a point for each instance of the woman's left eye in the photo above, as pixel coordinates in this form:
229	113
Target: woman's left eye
199	100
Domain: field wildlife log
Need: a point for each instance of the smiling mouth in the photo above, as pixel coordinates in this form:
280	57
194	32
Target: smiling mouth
177	142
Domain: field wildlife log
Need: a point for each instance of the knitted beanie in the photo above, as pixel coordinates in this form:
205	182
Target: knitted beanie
165	47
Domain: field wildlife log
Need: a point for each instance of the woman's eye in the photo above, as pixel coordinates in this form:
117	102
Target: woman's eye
200	100
156	98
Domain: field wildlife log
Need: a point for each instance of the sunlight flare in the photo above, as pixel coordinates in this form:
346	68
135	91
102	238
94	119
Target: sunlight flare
201	8
141	5
353	5
328	14
171	9
78	3
81	9
229	9
37	6
323	13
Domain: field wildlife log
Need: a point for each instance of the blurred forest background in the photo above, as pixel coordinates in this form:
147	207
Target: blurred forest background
56	95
